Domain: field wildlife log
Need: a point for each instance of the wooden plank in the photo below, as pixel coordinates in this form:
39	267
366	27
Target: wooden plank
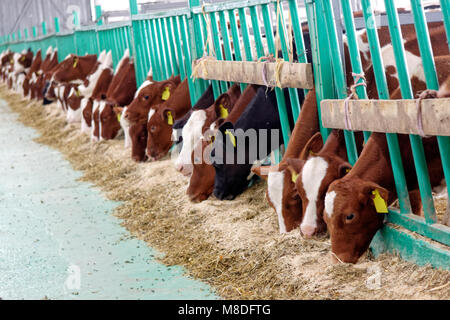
392	116
292	75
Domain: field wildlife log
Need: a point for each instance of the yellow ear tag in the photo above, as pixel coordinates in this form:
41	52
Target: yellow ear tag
22	59
294	177
11	61
378	201
119	116
348	170
223	112
169	118
75	63
165	94
77	92
232	138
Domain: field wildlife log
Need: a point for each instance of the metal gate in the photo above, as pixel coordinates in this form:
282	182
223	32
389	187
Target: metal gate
168	42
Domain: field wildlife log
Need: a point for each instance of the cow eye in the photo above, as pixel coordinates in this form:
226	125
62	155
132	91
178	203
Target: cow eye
146	97
153	129
350	217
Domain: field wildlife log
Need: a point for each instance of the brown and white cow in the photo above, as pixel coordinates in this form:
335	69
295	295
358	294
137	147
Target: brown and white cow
201	182
161	119
32	73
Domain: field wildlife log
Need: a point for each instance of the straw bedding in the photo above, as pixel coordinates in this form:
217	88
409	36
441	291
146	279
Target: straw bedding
235	245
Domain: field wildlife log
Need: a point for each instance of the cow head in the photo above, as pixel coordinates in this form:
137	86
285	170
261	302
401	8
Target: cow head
138	135
351	206
231	172
201	182
86	111
109	117
312	173
198	123
159	127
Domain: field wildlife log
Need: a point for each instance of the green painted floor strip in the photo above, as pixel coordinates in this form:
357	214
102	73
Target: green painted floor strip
59	239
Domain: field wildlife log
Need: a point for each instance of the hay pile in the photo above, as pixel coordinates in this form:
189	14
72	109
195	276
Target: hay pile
232	245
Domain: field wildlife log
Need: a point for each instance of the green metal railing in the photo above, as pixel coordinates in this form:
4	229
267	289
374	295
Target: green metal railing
168	42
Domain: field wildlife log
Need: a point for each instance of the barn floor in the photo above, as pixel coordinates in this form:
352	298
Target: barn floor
234	246
58	238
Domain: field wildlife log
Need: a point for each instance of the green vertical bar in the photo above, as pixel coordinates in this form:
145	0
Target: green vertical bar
383	93
293	93
162	35
76	18
323	78
281	102
162	57
429	67
98	15
355	57
178	48
245	35
406	90
25	33
339	72
145	53
176	66
35	32
256	31
157	72
193	88
225	37
217	46
236	41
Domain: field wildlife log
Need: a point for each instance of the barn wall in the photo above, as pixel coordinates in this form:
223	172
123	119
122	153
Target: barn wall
21	14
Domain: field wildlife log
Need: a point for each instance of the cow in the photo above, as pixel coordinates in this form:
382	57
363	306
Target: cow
197	124
201	182
161	119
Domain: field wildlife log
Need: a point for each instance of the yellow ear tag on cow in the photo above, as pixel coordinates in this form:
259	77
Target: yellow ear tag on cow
166	94
232	138
11	61
378	201
169	118
348	170
75	63
223	112
119	116
294	177
22	59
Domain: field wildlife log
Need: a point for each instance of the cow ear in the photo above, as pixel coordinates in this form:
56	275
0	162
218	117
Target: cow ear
168	116
343	169
313	146
222	106
374	195
294	166
262	172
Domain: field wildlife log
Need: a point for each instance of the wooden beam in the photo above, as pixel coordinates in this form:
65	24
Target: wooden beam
393	116
292	75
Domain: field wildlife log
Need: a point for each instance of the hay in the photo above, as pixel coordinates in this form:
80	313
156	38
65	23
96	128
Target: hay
232	245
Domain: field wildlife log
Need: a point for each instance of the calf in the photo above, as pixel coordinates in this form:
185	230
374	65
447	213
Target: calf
201	182
75	69
32	74
161	119
261	115
198	122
